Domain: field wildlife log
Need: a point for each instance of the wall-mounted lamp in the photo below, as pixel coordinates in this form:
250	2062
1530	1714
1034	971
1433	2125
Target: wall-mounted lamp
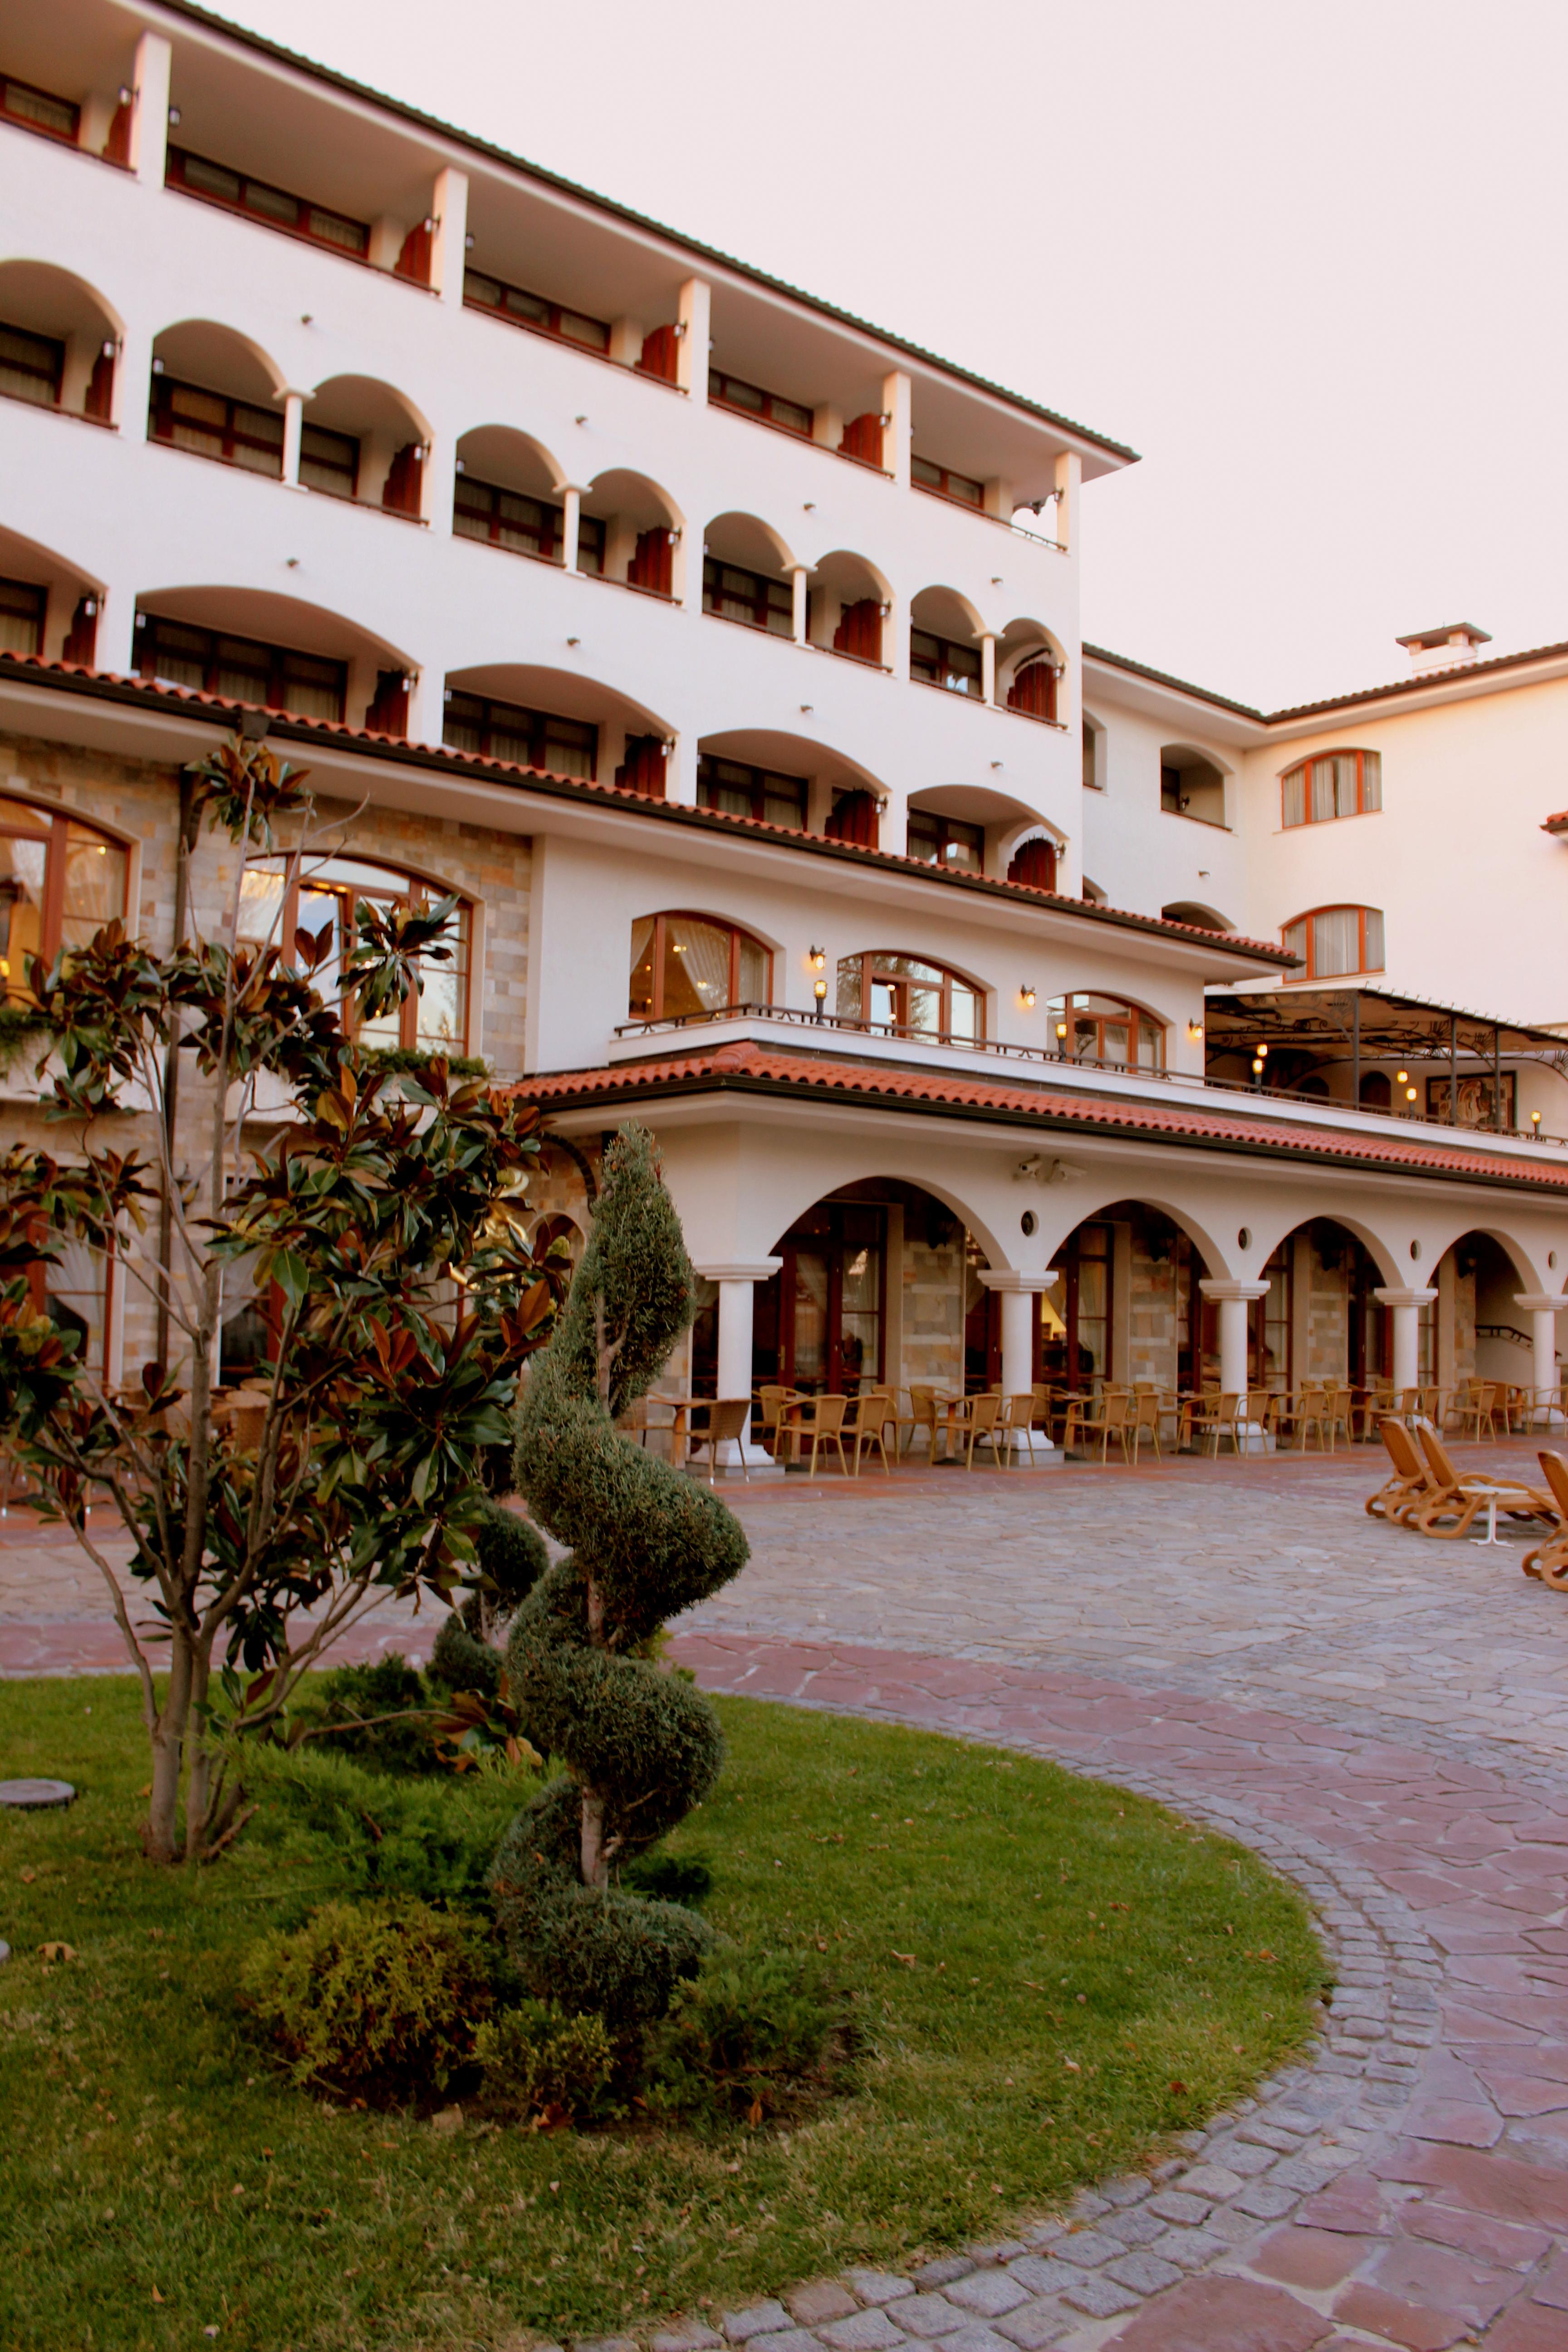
1256	1068
884	420
995	580
125	94
810	507
674	536
157	367
1262	1052
1028	996
1402	1078
884	609
996	763
110	349
819	957
1194	1033
469	242
1535	1121
89	606
679	330
808	709
574	641
582	420
667	747
173	118
462	466
1409	1094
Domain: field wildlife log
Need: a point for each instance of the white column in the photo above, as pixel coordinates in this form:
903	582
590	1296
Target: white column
797	581
1017	1292
1232	1299
736	1298
449	239
898	431
987	666
293	430
1541	1308
571	514
1404	1307
693	317
149	111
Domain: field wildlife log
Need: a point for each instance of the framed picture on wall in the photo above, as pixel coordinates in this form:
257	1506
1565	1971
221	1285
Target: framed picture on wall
1475	1100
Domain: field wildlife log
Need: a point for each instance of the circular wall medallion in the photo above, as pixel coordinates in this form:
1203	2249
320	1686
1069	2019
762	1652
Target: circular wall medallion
1414	1249
1244	1238
1029	1221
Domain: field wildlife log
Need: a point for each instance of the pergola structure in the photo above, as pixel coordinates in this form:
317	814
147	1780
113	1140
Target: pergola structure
1311	1031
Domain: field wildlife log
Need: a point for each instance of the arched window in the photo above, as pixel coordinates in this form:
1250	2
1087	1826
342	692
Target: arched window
284	895
1106	1029
1338	784
1334	940
687	966
60	882
915	998
945	841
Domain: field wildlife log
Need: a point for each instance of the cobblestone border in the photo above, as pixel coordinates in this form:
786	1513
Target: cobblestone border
1116	2246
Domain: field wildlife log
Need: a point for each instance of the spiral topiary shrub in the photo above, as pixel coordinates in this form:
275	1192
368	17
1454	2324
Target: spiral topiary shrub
641	1746
511	1559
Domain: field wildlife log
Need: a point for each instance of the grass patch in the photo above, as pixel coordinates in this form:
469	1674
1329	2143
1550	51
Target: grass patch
1046	1975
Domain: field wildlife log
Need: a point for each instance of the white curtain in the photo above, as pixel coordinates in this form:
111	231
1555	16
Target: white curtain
1336	942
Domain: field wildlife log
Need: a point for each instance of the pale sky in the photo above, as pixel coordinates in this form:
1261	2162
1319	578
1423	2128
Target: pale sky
1308	261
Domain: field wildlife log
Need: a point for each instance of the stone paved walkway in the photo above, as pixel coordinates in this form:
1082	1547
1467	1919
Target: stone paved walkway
1387	1719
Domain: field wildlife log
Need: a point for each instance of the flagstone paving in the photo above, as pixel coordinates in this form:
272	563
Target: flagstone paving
1387	1719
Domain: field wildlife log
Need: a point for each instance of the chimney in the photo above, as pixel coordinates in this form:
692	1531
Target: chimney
1454	648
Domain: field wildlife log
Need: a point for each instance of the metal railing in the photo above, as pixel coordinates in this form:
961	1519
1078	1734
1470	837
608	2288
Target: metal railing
1046	1058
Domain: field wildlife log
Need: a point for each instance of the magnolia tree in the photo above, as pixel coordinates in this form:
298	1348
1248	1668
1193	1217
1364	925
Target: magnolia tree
383	1219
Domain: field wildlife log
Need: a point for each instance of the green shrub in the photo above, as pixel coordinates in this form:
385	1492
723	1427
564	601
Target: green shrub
753	2033
548	2061
379	1998
351	1698
432	1839
510	1558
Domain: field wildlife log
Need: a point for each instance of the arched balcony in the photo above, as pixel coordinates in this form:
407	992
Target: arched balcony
636	530
910	996
217	395
848	603
59	342
790	781
49	606
557	723
246	644
510	494
364	440
1107	1032
750	577
1029	664
1192	784
689	967
973	829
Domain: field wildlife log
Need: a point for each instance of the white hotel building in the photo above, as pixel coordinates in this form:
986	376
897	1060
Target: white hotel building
936	946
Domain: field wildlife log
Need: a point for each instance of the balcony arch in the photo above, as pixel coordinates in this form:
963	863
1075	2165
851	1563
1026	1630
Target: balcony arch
1197	917
364	440
748	575
906	993
971	828
509	492
1030	663
1193	783
691	965
59	342
252	645
786	780
849	601
48	604
946	643
1095	1029
558	722
640	534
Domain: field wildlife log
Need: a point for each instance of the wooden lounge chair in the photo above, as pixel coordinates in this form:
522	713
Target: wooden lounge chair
1549	1560
1460	1498
1018	1426
868	1423
1114	1421
1148	1406
923	1413
1410	1483
727	1417
825	1427
770	1401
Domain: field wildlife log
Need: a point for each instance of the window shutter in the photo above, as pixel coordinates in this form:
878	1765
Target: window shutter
81	641
388	713
117	146
863	439
652	564
413	260
859	630
405	481
100	401
1034	690
854	818
643	769
661	355
1034	863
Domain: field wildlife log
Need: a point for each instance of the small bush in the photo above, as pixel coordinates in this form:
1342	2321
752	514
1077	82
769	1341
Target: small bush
351	1698
510	1558
379	1998
670	1877
752	2034
546	2059
383	1834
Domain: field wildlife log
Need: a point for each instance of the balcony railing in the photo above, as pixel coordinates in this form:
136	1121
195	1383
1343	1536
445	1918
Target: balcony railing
1050	1059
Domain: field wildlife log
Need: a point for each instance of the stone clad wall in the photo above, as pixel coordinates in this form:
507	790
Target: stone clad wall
1151	1314
933	1301
1328	1321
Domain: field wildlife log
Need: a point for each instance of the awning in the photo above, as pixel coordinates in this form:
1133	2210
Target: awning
1384	1025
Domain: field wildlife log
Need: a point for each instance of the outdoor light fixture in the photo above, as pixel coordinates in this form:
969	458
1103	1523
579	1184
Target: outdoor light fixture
818	957
469	242
1027	994
1409	1094
1263	1053
1402	1078
1195	1031
1535	1120
173	118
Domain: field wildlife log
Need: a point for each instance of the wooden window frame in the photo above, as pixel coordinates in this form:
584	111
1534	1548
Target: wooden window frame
869	962
757	785
550	324
592	531
37	594
60	823
948	829
55	379
404	890
762	582
947	646
1303	768
307	209
277	659
537	729
738	935
1136	1018
1335	907
720	380
942	488
308	457
62	137
161	423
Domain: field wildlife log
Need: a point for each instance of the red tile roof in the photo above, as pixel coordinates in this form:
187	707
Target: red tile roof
741	1066
1558	824
289	727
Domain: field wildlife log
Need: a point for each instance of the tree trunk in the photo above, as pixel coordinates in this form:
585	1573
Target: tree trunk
198	1780
161	1836
594	1861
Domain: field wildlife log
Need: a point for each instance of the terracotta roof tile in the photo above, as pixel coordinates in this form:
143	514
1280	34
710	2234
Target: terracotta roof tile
740	1063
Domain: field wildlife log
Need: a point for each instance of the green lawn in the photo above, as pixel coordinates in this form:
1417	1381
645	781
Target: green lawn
1046	1975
